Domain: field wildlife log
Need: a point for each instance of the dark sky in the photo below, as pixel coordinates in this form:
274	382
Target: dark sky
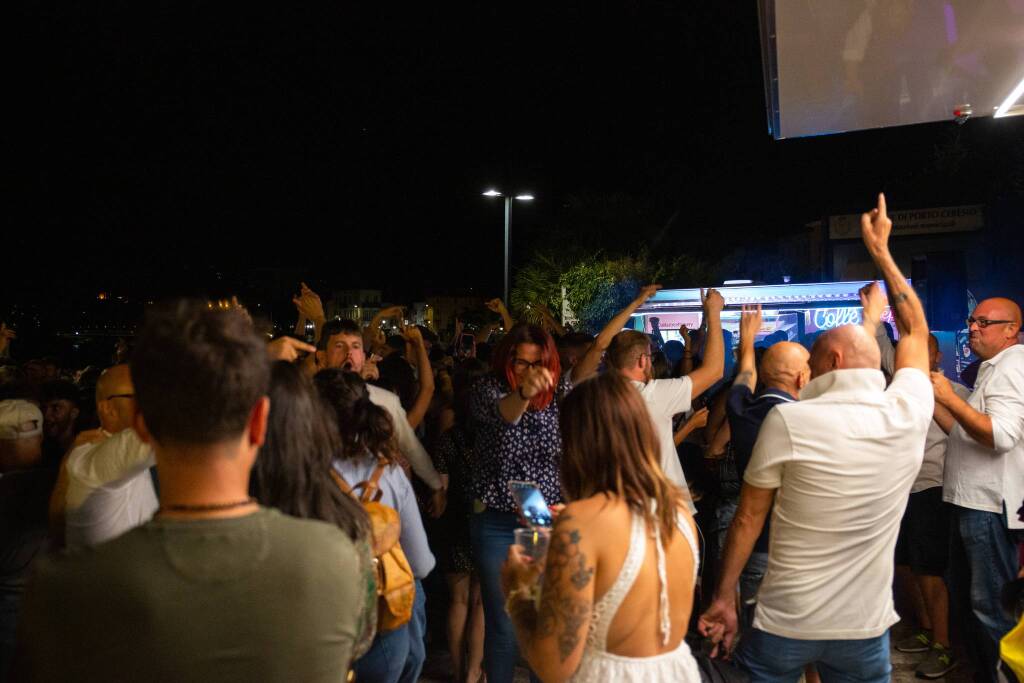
156	146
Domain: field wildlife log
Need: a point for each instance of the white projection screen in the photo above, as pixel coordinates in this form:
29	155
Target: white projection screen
840	65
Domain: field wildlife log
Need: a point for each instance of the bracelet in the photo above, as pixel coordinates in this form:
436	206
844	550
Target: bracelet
520	392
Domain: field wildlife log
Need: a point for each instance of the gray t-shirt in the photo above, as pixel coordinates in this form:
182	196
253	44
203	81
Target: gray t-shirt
262	597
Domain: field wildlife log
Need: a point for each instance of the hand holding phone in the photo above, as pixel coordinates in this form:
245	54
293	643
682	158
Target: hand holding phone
530	501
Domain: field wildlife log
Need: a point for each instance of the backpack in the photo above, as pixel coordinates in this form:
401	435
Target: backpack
396	585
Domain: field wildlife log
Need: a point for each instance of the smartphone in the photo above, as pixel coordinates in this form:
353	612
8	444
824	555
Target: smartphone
466	343
531	503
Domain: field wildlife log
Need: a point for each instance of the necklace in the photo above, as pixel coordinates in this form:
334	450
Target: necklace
212	507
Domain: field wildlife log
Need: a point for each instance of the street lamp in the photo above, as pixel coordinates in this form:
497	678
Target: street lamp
522	197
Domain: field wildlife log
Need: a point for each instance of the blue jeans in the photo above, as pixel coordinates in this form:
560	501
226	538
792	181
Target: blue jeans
771	659
982	559
397	656
491	534
386	659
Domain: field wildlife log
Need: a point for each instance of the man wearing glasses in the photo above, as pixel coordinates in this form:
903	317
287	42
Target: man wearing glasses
109	489
984	478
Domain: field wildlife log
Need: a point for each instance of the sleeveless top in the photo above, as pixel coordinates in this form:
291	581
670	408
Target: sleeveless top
599	665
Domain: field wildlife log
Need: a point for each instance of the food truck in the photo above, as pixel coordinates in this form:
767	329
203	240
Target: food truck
797	311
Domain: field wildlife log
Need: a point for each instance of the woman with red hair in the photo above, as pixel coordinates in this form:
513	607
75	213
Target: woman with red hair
515	409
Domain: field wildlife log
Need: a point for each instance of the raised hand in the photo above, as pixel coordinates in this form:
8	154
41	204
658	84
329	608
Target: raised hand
750	322
536	381
873	302
647	291
391	312
288	348
308	304
711	301
413	335
875	228
496	305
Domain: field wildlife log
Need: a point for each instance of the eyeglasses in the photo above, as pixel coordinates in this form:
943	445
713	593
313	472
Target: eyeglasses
983	323
520	364
119	396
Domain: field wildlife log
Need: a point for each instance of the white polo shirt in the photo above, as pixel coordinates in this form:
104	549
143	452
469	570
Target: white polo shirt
982	478
109	489
666	398
842	459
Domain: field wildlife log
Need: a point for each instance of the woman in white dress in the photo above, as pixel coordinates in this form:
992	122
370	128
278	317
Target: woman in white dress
618	579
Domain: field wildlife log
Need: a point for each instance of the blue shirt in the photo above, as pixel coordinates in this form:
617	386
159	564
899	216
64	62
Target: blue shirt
396	492
746	412
529	449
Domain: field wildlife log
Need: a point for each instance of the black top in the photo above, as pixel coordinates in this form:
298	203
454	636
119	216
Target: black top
746	412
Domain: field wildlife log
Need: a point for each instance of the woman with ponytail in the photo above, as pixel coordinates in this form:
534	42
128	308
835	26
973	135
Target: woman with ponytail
367	440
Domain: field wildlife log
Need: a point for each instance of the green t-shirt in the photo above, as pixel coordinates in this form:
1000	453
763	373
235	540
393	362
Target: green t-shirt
265	597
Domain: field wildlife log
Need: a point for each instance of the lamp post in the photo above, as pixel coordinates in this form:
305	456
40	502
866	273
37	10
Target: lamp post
523	197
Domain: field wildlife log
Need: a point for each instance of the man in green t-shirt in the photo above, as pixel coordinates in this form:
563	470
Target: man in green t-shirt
214	587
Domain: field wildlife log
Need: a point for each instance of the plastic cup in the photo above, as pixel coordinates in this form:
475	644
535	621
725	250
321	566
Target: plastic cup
534	542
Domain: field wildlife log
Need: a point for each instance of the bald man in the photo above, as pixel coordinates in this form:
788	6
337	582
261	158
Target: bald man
838	465
784	372
109	489
984	478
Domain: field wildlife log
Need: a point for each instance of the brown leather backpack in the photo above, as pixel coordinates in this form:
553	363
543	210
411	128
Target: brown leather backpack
396	585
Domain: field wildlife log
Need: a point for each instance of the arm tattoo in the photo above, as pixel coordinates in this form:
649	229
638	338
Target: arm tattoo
900	298
743	377
563	613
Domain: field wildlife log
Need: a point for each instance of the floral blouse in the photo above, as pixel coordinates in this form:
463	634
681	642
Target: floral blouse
529	449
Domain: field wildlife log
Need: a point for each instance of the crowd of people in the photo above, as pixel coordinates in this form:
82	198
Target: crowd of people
216	505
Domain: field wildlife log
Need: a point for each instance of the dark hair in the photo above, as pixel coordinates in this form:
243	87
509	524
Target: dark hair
505	355
396	375
61	390
609	446
575	340
336	327
198	372
364	427
293	470
464	377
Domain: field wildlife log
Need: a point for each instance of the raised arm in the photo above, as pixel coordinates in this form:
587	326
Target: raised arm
713	367
750	323
426	376
310	308
912	351
498	306
873	302
587	365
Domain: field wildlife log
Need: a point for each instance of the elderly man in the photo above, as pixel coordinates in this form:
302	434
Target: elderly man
109	490
984	478
838	464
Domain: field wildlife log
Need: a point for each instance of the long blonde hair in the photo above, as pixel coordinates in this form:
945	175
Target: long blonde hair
609	446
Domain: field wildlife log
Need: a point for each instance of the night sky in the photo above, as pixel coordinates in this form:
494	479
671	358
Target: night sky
154	149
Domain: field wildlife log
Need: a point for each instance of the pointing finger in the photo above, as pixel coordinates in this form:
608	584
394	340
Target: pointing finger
881	205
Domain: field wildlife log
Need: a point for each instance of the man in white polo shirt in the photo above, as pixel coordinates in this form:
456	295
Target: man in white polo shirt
984	479
839	465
